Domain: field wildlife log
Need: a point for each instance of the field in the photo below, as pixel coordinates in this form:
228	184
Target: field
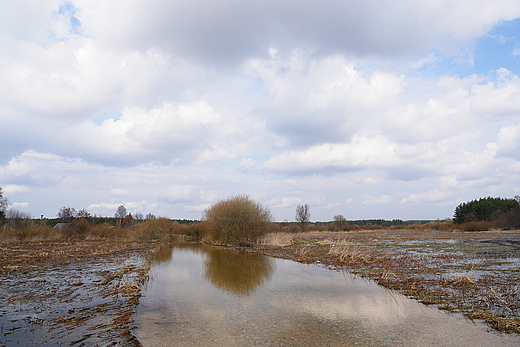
84	292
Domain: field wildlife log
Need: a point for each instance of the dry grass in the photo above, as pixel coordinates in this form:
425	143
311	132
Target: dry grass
346	252
276	240
34	233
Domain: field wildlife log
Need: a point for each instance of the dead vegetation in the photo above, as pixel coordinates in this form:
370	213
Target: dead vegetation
71	292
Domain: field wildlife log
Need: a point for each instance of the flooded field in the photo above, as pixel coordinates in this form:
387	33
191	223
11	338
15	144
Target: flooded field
206	296
83	302
87	293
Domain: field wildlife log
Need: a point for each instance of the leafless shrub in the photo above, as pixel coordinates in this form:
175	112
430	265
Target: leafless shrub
476	226
197	230
18	219
159	229
78	229
106	231
236	218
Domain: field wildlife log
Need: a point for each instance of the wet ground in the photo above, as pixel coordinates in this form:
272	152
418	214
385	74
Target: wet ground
84	293
477	274
80	293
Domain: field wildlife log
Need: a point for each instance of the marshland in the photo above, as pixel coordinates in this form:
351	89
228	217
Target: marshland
94	284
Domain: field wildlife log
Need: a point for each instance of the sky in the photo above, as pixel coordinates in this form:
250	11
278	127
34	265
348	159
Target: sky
388	110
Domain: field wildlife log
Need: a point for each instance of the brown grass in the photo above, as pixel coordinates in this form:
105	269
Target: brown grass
276	240
347	252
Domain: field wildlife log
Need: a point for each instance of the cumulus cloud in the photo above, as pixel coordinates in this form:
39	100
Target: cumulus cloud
16	205
14	189
508	142
227	33
174	105
433	196
377	200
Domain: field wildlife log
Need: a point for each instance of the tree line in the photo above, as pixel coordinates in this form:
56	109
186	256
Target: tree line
242	219
504	212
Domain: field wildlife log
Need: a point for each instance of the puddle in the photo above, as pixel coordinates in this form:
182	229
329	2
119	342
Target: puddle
204	296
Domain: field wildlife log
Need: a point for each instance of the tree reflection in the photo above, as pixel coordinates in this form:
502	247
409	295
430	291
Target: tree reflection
237	273
165	252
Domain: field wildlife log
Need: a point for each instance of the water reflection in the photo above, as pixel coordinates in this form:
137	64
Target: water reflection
165	252
237	273
276	302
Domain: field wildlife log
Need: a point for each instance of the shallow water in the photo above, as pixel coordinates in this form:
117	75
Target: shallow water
75	304
206	296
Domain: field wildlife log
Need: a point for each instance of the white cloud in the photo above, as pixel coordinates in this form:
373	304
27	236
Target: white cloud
119	192
172	106
377	200
16	205
176	193
14	189
363	152
508	142
433	196
247	164
197	208
286	202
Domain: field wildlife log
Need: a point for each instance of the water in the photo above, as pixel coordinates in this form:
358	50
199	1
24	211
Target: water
206	296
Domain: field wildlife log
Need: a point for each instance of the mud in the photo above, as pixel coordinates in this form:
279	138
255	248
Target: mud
80	293
477	274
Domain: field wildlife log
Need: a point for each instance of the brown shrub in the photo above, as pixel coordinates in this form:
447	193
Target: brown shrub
197	230
78	229
476	226
291	228
106	231
160	229
237	218
31	233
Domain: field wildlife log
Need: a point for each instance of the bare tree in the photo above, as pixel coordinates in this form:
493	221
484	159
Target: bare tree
83	214
339	220
120	214
303	216
67	214
138	216
4	203
18	219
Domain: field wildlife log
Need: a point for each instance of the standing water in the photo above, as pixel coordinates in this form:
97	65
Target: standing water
207	296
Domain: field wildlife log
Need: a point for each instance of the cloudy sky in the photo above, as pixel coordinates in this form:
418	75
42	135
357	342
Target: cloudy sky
369	109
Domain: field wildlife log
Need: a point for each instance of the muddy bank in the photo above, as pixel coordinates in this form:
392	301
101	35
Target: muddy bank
80	293
477	274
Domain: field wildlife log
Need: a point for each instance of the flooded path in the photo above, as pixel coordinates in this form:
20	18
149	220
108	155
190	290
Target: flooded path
206	296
